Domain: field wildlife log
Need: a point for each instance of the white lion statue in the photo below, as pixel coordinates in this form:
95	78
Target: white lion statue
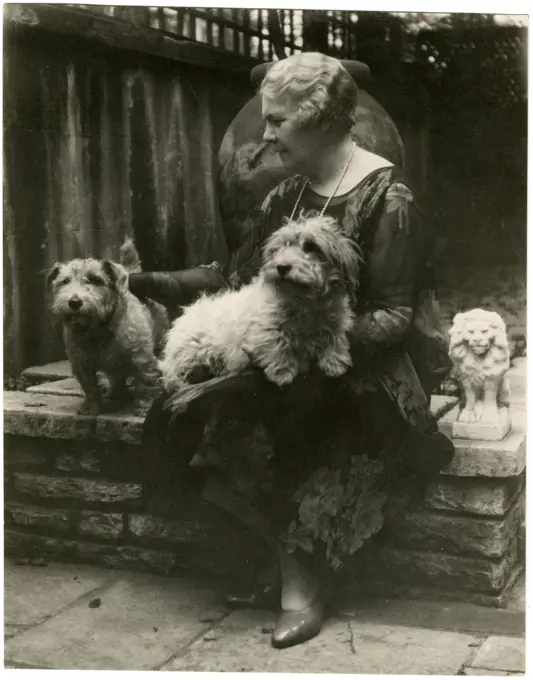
480	353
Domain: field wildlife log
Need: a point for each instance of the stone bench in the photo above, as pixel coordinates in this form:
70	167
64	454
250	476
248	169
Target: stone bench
74	491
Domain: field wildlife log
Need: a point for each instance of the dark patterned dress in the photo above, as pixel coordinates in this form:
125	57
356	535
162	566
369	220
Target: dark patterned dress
328	460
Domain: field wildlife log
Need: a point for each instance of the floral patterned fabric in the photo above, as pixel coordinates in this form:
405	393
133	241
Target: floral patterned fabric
332	467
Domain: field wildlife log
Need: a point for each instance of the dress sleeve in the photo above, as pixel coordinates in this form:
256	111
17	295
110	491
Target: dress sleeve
393	259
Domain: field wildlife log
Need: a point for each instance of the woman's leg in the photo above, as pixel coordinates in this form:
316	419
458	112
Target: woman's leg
266	592
301	598
302	603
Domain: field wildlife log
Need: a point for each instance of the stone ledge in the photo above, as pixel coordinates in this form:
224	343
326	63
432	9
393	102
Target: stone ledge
56	417
474	495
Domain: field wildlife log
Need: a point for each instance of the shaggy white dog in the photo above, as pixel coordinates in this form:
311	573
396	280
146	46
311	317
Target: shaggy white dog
296	311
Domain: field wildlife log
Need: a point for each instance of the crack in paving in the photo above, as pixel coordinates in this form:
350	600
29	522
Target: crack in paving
352	640
84	596
181	651
480	639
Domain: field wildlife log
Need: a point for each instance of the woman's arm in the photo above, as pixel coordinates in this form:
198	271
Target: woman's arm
393	260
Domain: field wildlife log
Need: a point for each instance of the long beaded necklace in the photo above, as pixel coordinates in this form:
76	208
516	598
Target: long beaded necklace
334	192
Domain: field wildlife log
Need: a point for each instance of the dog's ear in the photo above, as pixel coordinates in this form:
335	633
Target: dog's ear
117	275
349	257
53	273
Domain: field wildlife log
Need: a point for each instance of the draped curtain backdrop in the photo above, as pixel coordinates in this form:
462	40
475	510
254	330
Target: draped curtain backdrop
100	143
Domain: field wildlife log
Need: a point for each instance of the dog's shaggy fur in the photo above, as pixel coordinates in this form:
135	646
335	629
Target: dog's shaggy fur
297	310
107	329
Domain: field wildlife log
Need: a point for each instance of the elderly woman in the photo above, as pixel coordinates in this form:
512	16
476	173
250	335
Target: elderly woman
318	467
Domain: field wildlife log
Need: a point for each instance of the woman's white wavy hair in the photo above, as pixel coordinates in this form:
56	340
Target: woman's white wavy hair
324	89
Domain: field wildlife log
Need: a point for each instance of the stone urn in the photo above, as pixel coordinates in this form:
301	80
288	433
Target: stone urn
249	169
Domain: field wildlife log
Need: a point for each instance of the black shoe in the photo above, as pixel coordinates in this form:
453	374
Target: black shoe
293	628
261	597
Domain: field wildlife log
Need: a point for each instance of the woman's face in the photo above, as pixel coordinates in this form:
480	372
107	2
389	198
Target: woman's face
297	147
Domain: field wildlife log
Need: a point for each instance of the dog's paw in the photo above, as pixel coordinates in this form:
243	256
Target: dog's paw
333	367
281	376
90	408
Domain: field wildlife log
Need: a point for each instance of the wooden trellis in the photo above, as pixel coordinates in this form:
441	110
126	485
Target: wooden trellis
257	33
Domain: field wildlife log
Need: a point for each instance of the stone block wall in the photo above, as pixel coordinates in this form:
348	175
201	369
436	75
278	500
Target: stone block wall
74	491
83	501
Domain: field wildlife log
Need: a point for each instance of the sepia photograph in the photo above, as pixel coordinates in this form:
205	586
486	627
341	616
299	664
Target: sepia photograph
265	343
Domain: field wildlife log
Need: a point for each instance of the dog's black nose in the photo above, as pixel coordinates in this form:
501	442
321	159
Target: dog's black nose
283	269
74	303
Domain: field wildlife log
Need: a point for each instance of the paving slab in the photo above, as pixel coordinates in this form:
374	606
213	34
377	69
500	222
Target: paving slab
33	593
242	643
139	624
501	653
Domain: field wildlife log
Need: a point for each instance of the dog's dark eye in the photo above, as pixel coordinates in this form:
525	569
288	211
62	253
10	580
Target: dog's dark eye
63	282
311	247
96	280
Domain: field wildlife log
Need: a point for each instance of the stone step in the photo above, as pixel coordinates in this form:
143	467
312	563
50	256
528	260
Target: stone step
57	370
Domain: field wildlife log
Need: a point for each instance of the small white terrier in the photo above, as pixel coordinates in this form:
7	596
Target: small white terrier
297	310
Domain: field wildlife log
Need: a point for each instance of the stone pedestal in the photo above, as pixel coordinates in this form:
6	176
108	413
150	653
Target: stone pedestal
495	431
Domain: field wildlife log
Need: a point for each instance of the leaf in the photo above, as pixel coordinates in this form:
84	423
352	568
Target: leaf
309	511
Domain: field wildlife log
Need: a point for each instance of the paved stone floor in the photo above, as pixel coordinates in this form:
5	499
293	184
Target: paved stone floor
61	616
